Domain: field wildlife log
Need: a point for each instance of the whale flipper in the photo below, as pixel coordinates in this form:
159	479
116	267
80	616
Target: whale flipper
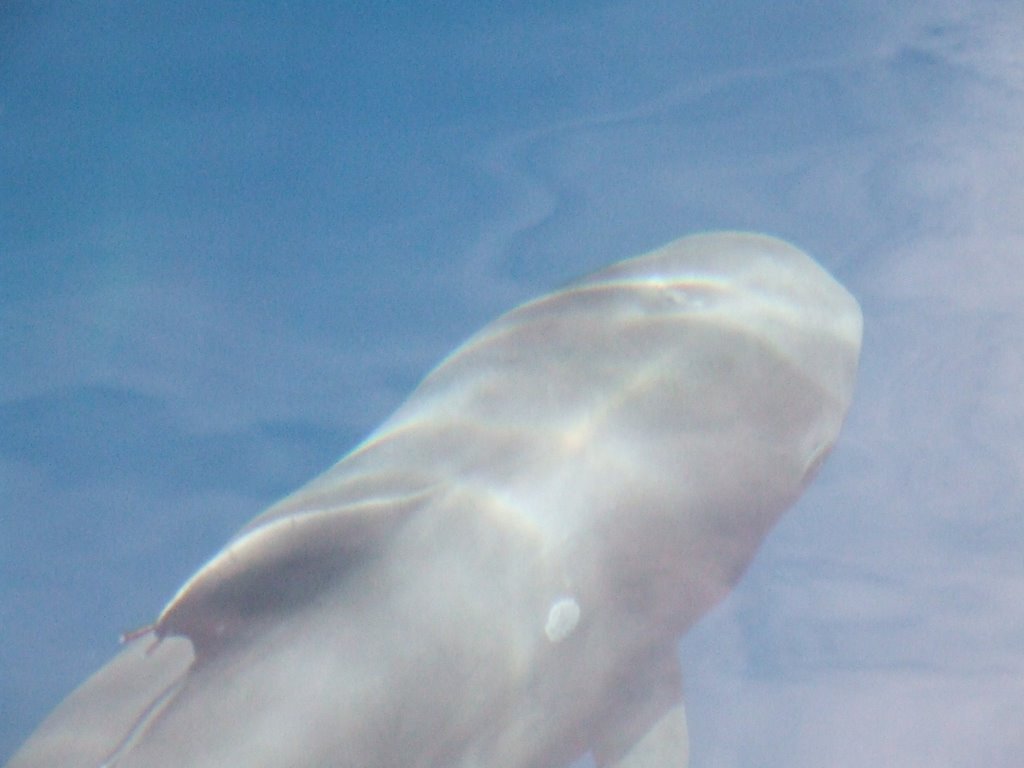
665	745
649	726
277	564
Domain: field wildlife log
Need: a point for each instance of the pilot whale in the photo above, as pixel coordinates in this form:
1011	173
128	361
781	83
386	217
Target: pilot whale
499	575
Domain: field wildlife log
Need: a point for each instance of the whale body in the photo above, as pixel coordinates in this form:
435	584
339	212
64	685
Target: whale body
499	575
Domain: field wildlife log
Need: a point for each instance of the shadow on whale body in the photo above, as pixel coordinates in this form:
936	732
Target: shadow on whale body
498	576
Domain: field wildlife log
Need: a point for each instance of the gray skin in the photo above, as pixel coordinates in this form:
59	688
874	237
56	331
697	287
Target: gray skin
499	575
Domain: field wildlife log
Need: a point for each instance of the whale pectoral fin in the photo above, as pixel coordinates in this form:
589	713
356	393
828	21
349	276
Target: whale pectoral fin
647	723
277	566
665	745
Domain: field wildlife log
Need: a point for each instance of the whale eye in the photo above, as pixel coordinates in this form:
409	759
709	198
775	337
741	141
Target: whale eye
563	616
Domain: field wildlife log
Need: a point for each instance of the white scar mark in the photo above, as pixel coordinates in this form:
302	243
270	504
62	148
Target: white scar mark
563	616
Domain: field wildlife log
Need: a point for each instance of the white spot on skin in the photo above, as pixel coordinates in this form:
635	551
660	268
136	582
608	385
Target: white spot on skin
563	616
